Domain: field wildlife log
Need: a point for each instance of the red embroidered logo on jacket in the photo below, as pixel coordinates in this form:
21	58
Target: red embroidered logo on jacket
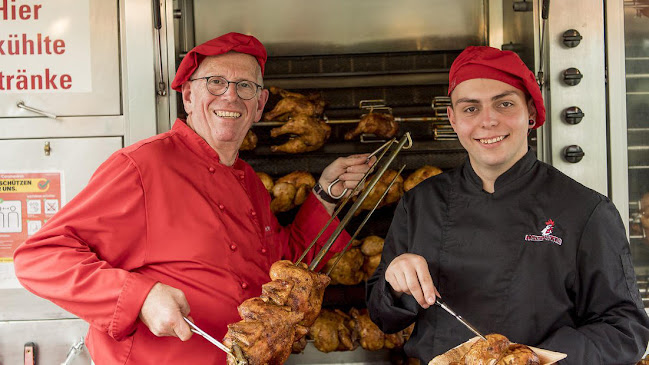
546	234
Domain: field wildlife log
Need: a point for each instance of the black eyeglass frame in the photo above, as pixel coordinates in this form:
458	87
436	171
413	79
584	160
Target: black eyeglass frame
236	83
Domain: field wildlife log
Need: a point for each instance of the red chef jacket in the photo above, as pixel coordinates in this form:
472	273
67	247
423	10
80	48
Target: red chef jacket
163	210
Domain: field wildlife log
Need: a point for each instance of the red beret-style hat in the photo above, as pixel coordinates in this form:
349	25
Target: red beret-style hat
491	63
236	42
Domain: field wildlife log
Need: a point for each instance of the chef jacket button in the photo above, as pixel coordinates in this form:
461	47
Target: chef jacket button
221	206
241	176
253	213
263	250
233	247
212	169
244	286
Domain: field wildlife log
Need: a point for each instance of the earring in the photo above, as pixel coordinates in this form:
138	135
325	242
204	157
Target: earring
532	122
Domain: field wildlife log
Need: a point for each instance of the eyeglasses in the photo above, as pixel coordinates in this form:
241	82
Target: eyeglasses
218	85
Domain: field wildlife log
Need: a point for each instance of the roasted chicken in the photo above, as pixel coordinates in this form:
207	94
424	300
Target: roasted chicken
274	321
266	180
497	350
331	333
283	197
303	181
291	190
370	264
249	141
348	270
309	133
372	245
420	175
293	104
393	196
379	124
371	337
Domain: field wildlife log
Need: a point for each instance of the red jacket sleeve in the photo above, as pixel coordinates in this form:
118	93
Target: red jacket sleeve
310	219
85	258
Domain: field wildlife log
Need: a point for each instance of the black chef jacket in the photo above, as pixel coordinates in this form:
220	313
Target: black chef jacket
543	260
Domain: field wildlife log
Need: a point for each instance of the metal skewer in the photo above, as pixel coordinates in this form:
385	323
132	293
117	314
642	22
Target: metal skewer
200	332
367	217
459	318
343	223
359	186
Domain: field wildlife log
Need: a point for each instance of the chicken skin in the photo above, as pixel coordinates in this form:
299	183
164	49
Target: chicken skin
293	104
266	180
291	190
249	141
380	124
393	196
310	134
372	245
420	175
371	337
348	269
331	333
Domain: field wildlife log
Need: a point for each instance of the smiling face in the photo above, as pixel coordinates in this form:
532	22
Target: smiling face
491	119
223	121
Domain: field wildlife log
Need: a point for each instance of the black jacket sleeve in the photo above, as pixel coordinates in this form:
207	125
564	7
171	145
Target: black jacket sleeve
613	327
389	313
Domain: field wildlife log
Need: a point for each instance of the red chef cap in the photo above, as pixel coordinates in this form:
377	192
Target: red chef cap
491	63
236	42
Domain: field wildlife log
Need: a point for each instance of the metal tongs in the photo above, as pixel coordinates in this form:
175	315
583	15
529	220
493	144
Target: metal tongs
240	360
439	302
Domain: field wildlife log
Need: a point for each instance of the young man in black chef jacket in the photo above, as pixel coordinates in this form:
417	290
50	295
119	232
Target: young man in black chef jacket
510	243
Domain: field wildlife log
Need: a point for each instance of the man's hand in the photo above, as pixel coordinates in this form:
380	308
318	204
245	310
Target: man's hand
163	311
408	273
349	170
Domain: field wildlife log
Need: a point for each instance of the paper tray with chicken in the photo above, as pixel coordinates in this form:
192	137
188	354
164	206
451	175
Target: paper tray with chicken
498	351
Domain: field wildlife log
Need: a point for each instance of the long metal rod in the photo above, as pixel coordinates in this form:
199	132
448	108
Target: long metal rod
459	318
367	217
358	202
211	339
385	147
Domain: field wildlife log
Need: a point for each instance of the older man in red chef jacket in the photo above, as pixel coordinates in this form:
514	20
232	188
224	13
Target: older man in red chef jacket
177	225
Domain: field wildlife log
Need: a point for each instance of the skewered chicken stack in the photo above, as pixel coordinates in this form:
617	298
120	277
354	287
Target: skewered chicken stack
302	113
272	322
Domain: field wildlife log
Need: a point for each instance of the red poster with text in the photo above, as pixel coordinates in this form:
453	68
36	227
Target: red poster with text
27	201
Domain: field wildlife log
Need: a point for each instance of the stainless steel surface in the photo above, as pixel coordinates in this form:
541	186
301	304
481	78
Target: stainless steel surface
104	98
52	341
359	356
78	158
294	27
211	339
587	17
459	318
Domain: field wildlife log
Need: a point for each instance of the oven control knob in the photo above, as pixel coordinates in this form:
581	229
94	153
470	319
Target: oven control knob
573	153
572	76
573	115
571	38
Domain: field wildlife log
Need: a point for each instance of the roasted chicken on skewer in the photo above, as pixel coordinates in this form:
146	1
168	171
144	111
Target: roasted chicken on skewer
309	132
379	124
272	322
293	104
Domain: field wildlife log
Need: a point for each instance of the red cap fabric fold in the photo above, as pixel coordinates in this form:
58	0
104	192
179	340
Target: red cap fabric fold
491	63
236	42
